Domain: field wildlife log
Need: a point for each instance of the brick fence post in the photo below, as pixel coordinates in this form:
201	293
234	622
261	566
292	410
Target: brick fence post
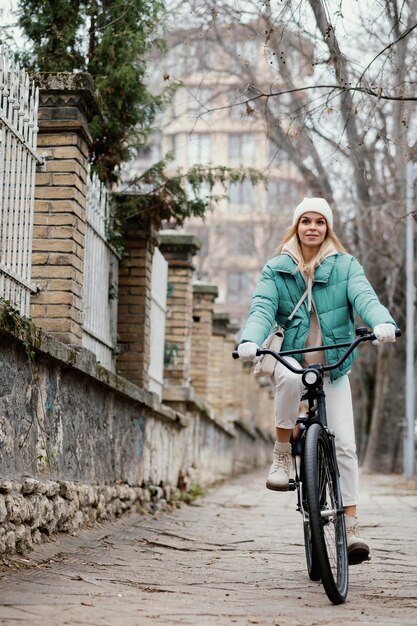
217	363
178	249
251	400
66	103
204	295
265	406
140	238
231	370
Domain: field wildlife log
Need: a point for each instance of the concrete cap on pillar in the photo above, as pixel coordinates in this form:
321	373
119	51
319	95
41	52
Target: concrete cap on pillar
221	323
67	101
202	288
178	241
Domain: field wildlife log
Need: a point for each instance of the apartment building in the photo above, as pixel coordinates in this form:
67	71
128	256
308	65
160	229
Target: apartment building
213	121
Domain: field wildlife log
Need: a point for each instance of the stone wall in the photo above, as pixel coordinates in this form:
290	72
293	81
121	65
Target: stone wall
80	444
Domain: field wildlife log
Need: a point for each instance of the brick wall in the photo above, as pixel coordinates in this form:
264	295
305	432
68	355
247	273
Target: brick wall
216	386
67	103
178	249
204	295
134	298
231	367
251	399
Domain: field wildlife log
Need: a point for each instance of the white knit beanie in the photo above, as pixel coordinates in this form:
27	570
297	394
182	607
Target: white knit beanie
313	205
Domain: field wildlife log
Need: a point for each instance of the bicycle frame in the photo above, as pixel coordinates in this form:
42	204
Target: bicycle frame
316	413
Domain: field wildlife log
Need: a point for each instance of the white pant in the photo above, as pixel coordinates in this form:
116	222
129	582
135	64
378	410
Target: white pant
289	389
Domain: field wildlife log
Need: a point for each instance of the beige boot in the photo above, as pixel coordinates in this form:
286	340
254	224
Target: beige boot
357	548
279	473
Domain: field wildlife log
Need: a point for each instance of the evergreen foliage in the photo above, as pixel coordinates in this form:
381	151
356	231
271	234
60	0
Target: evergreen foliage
110	40
193	190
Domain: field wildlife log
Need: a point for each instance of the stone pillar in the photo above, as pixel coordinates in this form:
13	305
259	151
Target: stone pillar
140	238
204	295
232	369
254	401
178	249
265	407
216	384
249	387
66	103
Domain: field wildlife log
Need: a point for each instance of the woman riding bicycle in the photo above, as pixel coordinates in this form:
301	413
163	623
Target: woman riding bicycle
311	288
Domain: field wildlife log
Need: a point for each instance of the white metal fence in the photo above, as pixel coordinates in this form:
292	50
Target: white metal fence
101	272
158	314
18	158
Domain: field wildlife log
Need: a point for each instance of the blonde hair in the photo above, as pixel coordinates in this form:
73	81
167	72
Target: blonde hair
331	242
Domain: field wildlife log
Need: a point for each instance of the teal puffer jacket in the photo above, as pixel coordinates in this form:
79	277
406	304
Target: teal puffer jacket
340	288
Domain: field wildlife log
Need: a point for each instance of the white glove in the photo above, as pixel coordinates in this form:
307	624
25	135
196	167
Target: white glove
247	351
384	333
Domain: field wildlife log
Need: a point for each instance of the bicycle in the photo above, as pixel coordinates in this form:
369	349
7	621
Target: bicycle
316	481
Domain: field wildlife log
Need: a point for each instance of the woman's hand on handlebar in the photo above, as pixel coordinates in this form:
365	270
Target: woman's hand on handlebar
384	333
247	351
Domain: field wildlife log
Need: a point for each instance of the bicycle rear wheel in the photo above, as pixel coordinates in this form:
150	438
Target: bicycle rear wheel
327	523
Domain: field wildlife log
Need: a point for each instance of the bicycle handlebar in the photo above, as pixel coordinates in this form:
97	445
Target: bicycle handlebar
326	368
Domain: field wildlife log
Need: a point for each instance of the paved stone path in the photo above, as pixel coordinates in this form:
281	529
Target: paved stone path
233	557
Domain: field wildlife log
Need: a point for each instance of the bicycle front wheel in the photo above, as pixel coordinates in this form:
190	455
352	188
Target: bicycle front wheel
327	522
311	558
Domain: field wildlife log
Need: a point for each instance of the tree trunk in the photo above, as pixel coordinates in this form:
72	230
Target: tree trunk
347	108
384	450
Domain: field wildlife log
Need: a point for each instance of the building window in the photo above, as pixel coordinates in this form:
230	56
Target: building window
241	195
202	234
199	101
191	56
247	49
276	154
236	109
149	153
245	54
190	102
239	286
242	149
283	195
179	103
172	146
240	240
199	149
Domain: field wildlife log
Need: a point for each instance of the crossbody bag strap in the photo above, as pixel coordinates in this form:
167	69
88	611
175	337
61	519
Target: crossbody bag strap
297	306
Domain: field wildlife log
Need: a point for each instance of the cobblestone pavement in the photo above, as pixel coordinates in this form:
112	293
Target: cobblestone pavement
233	557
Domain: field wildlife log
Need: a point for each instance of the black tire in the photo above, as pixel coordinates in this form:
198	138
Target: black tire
311	558
327	522
312	563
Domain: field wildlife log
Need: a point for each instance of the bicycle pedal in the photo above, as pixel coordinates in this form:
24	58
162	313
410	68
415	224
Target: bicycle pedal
358	559
291	485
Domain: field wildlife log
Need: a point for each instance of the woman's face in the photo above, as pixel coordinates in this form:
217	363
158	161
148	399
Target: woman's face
312	230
